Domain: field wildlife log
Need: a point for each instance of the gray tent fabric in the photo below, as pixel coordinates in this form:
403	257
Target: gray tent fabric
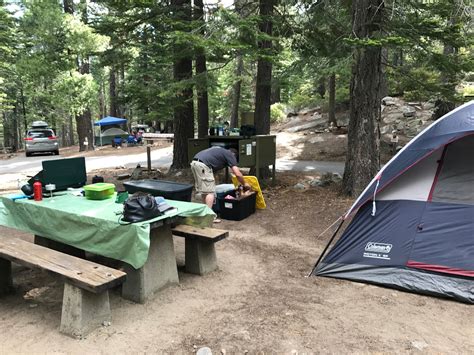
413	227
455	182
452	126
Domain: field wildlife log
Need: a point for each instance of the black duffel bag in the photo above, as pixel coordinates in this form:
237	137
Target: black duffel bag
140	207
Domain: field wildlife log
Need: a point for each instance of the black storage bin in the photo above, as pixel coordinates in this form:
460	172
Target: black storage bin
237	210
168	189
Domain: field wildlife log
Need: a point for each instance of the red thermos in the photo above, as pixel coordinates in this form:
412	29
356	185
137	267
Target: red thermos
37	190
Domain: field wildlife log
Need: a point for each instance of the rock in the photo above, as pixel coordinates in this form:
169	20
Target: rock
428	105
388	101
317	139
326	180
392	117
385	129
292	114
123	176
309	125
106	323
408	111
136	173
310	110
35	293
336	177
299	186
204	351
223	351
315	182
419	344
179	173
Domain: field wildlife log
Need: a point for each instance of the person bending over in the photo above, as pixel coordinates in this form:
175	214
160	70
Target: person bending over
206	163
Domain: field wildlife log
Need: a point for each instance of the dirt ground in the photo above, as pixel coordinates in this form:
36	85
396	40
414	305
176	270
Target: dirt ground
259	301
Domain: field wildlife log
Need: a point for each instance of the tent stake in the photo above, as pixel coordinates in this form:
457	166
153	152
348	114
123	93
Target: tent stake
327	246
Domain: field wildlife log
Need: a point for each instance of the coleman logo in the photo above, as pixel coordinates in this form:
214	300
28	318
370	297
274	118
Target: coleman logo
378	247
377	250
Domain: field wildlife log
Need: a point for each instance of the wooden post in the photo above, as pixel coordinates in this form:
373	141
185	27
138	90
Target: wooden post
148	158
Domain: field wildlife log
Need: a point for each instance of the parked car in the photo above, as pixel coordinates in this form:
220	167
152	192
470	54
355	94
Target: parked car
41	140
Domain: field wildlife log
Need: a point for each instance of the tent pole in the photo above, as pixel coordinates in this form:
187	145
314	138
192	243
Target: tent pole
100	134
327	246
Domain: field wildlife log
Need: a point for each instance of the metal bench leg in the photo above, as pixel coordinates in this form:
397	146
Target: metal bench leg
83	311
159	271
200	257
6	283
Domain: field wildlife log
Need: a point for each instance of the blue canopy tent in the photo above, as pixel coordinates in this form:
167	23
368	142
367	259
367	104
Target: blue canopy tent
108	121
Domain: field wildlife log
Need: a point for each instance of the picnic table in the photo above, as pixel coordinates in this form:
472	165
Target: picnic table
146	248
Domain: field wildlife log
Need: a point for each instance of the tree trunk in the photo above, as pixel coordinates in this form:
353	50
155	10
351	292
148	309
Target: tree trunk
64	135
332	100
383	78
102	106
183	110
264	69
201	72
234	116
363	160
15	128
71	130
276	91
113	93
68	6
443	105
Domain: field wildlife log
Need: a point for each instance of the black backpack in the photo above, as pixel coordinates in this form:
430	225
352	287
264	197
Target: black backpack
140	207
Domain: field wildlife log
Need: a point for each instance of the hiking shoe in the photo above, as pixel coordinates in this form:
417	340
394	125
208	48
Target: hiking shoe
217	220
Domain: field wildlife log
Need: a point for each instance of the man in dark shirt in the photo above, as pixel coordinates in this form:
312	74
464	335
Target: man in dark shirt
206	163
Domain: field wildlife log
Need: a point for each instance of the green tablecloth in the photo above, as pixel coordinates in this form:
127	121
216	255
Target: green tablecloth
92	225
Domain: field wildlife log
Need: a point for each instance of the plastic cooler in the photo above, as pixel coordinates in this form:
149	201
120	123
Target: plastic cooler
168	189
99	191
237	210
221	191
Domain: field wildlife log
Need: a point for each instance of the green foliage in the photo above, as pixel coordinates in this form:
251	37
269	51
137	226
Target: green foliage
74	92
428	52
277	112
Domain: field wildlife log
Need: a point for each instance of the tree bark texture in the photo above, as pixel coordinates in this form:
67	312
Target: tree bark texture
201	72
332	100
113	111
363	157
236	92
264	69
276	91
183	111
83	121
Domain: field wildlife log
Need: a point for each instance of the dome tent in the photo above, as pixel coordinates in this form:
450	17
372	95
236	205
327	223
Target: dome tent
413	227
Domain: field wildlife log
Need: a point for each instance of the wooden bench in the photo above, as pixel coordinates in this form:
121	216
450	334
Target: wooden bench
151	137
86	298
200	253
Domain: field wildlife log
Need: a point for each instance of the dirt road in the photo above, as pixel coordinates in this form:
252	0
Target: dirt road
259	300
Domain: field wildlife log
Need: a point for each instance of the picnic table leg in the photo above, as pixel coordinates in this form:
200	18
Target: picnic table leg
83	311
159	271
6	283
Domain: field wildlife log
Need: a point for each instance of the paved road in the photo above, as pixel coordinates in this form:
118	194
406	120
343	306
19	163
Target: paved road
161	158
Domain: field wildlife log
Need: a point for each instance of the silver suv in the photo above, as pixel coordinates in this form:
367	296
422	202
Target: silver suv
41	140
